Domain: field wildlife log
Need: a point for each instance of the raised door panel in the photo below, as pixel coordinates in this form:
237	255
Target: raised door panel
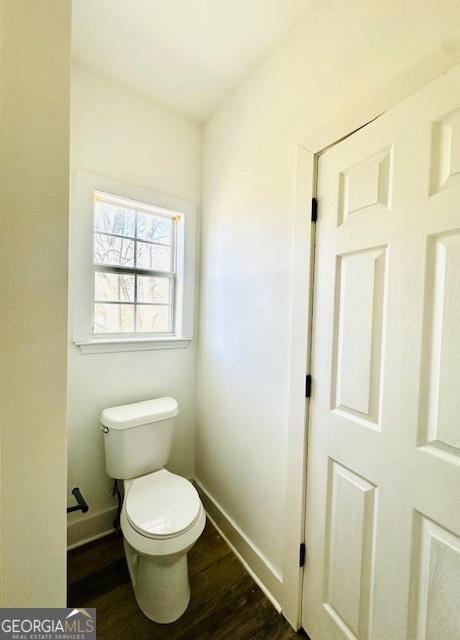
360	301
445	154
349	551
365	188
440	426
435	612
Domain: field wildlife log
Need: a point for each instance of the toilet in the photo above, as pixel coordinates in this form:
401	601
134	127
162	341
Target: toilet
162	516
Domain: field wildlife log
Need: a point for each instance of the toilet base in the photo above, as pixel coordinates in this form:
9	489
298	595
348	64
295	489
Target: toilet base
160	584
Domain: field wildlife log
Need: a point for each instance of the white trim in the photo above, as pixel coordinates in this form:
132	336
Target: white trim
84	185
84	530
253	560
379	102
98	536
133	344
94	527
302	270
340	127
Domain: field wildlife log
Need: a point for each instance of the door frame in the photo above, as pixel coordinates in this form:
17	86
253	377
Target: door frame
303	244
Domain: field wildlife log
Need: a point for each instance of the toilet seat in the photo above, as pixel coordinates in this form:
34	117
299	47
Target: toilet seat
162	505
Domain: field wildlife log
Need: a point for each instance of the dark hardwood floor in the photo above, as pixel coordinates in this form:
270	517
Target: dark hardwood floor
225	604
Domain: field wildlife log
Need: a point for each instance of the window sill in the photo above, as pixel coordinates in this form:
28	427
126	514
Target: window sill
113	345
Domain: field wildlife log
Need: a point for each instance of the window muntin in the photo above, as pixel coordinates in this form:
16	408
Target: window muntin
134	267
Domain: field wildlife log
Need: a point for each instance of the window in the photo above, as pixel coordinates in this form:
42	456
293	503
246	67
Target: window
134	263
132	266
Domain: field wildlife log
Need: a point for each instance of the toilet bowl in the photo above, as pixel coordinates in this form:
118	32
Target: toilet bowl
161	519
162	516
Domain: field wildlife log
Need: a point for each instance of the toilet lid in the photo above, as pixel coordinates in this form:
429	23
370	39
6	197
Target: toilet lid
162	504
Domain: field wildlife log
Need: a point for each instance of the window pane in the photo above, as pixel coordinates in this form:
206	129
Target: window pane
153	319
154	228
151	289
114	219
113	287
114	251
152	256
113	318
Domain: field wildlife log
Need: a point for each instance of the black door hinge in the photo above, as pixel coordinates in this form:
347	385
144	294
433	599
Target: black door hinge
314	209
308	386
302	552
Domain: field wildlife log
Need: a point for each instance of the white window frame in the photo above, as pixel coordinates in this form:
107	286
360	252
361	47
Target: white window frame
85	187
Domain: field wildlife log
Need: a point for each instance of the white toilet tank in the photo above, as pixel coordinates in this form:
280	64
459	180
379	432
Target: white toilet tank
138	437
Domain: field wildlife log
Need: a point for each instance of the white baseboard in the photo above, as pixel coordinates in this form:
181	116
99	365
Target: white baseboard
100	524
90	528
258	567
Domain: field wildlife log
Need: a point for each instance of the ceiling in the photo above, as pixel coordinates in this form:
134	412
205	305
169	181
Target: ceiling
186	54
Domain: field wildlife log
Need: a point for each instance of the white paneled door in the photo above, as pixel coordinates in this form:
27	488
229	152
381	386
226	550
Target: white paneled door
383	477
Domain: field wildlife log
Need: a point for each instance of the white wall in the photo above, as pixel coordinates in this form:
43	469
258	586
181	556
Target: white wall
34	184
120	134
339	54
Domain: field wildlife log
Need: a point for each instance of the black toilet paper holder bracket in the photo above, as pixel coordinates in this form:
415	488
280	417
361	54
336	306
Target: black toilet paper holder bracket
82	504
